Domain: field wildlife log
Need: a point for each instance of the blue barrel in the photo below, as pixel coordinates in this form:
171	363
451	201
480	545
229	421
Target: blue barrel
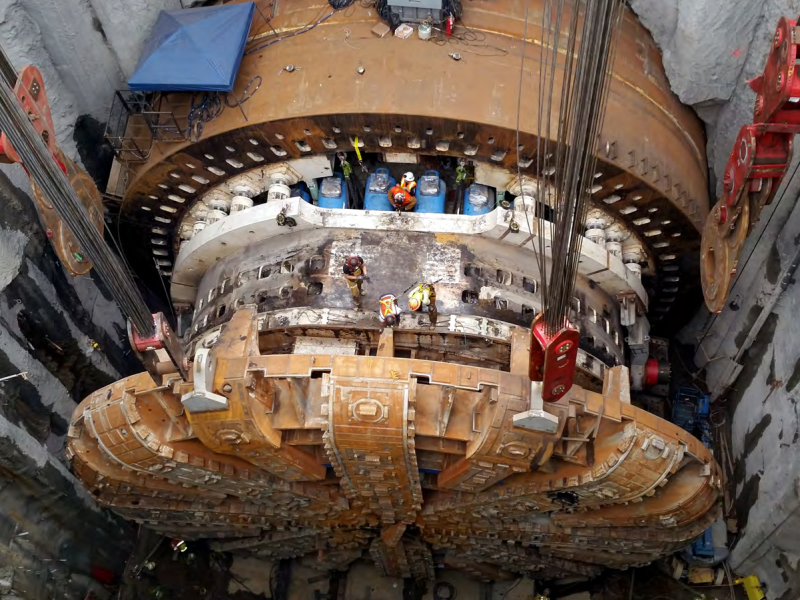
378	186
431	192
299	192
478	200
333	192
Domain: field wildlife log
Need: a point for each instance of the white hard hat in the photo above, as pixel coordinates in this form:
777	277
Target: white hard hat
408	176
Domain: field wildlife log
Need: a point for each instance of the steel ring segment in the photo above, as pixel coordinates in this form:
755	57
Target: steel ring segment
161	193
737	226
715	266
655	186
639	95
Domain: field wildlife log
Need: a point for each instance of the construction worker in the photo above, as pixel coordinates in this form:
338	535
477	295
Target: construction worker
354	272
401	199
409	184
389	310
422	296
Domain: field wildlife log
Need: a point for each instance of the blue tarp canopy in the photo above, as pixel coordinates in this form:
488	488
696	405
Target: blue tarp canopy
195	49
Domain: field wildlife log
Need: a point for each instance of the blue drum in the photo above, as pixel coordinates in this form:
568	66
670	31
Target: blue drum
333	192
478	199
378	186
299	191
431	192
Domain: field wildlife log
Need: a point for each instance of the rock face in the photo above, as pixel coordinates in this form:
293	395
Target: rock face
710	50
48	323
52	534
84	48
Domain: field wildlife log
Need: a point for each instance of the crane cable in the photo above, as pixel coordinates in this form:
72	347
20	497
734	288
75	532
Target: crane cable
54	185
565	169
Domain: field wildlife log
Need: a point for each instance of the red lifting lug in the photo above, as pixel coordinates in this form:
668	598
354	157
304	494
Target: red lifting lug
147	350
553	358
32	96
778	88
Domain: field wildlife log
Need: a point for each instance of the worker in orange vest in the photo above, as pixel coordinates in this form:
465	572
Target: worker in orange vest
389	310
401	199
409	184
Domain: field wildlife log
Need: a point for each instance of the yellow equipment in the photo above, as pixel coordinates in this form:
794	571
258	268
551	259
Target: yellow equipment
752	587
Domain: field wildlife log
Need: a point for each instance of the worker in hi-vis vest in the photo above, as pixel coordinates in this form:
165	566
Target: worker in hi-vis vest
389	310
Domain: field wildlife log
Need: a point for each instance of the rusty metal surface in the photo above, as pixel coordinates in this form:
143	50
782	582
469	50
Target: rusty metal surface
284	276
414	96
336	457
64	243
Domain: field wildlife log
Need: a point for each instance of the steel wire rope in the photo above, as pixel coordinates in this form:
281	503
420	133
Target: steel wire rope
581	106
536	254
166	293
567	170
54	185
593	79
544	124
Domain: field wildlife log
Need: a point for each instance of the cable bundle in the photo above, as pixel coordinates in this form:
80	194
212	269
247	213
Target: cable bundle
53	183
567	167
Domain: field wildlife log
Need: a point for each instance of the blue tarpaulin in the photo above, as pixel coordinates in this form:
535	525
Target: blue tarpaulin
195	49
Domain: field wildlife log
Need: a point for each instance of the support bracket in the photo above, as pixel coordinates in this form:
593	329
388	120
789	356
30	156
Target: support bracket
163	338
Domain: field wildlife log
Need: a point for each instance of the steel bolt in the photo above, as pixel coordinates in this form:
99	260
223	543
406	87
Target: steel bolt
558	390
727	181
227	388
564	348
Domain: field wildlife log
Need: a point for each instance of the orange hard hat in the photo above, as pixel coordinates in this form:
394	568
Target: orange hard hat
414	303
